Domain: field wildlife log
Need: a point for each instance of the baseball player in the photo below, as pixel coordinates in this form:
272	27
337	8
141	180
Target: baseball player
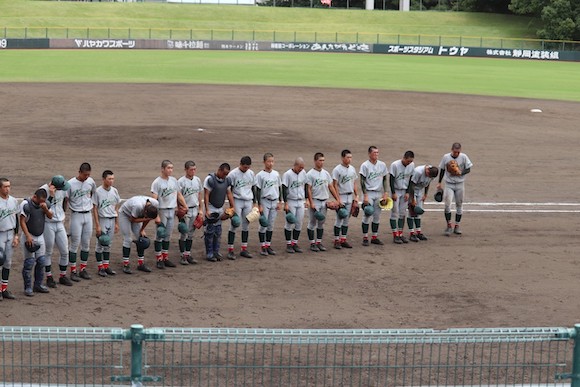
106	202
267	193
418	189
344	178
216	188
242	180
400	174
318	186
32	214
54	230
293	193
373	181
191	188
454	186
166	190
9	210
80	203
134	215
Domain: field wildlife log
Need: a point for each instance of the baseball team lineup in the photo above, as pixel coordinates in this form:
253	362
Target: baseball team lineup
37	223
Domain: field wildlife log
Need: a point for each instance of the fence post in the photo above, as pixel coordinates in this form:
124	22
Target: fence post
136	353
576	360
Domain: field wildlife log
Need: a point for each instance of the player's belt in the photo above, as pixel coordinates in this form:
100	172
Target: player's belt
10	229
270	199
321	200
167	208
81	212
192	207
346	193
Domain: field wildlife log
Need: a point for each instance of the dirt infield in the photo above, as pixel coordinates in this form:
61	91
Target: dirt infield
508	269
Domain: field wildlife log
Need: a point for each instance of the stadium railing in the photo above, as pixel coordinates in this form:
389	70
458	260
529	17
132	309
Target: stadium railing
285	357
283	36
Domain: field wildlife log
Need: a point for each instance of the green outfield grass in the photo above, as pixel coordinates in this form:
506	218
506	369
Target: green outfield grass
494	77
41	14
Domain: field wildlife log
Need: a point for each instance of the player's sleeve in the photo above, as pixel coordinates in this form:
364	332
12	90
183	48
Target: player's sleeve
442	163
468	163
335	174
154	187
363	170
95	199
206	183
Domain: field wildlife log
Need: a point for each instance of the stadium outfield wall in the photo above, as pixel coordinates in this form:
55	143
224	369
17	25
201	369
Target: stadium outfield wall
244	45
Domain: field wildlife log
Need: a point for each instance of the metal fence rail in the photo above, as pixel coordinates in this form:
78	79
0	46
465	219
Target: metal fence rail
270	357
282	36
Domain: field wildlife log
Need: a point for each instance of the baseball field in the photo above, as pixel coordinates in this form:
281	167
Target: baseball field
516	263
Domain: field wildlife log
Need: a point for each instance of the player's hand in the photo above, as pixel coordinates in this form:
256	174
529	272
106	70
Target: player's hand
51	190
286	207
406	197
29	240
142	233
423	198
98	231
278	205
15	240
413	202
44	207
439	186
394	197
260	208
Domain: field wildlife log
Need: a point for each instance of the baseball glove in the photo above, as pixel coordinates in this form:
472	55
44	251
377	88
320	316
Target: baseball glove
229	212
180	212
332	205
198	222
354	210
453	168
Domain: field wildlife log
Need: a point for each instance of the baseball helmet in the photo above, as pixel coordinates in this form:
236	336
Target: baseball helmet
418	210
290	218
161	231
143	242
236	220
386	204
369	209
438	196
182	228
319	215
33	247
263	221
60	183
104	240
342	213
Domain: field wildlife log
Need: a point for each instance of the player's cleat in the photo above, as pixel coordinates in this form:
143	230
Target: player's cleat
289	249
414	238
168	263
377	241
264	251
270	251
218	256
366	242
190	260
397	240
210	258
422	237
320	247
74	276
64	280
102	273
110	271
84	274
231	256
314	247
28	292
346	245
40	289
448	231
337	245
297	249
457	230
144	268
246	254
160	265
127	269
50	282
403	239
183	261
7	295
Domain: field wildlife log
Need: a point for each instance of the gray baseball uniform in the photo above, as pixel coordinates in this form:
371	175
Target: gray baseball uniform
295	183
346	178
373	174
454	185
241	185
401	175
54	229
9	210
269	184
106	202
166	191
81	221
190	189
